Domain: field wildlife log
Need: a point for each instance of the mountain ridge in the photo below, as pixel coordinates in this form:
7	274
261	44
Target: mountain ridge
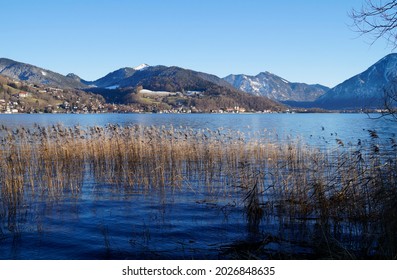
365	90
36	75
187	88
276	88
204	91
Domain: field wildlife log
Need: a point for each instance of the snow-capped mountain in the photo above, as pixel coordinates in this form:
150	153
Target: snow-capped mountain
276	88
115	78
160	78
203	90
365	90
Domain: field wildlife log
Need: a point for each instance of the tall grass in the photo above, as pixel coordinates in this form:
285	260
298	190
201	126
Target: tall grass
344	189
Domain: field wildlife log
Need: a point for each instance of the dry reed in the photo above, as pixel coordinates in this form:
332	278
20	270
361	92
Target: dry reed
343	186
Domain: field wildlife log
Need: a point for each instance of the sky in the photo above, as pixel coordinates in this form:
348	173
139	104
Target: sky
307	41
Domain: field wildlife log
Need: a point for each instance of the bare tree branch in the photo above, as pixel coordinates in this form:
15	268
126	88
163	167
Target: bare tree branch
390	101
378	18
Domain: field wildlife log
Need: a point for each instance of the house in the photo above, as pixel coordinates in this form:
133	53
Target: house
240	109
2	105
23	94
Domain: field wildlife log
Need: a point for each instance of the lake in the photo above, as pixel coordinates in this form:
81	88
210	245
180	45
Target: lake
102	220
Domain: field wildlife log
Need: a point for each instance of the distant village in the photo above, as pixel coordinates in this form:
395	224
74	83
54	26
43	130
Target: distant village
26	102
16	97
16	105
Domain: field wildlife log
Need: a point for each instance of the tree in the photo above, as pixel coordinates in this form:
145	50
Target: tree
390	100
378	19
138	89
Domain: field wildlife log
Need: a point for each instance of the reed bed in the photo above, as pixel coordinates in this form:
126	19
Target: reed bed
340	189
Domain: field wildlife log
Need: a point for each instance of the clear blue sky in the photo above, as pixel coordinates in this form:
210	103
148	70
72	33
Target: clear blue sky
305	41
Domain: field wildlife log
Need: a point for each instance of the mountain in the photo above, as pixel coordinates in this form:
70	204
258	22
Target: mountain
113	79
173	79
186	87
36	75
78	79
210	92
365	90
276	88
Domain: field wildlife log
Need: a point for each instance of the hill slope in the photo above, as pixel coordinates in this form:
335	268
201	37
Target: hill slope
36	75
22	97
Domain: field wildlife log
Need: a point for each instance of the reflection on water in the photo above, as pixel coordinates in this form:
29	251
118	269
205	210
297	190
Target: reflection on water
136	192
106	222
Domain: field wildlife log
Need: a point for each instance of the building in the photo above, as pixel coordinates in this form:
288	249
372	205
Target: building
23	94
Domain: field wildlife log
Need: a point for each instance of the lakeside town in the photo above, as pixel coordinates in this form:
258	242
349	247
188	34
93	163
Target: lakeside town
18	97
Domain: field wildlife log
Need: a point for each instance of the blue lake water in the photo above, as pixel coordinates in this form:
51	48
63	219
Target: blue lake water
108	222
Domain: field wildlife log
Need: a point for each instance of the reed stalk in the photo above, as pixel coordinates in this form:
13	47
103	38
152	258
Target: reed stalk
342	185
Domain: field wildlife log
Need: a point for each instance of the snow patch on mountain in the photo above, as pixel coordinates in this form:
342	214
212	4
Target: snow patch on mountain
113	87
141	66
